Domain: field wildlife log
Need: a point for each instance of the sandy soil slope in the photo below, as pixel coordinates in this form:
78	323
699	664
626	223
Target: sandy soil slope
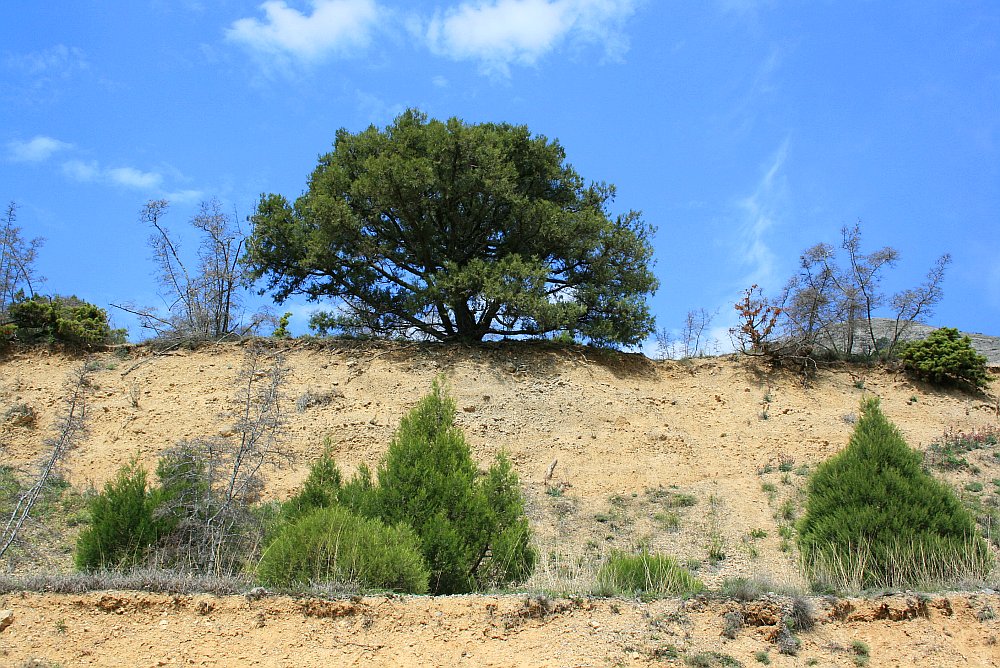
626	433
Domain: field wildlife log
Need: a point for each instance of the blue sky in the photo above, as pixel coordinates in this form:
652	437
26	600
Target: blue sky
744	130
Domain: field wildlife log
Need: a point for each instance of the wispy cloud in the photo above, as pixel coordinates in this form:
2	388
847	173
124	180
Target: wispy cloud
42	148
79	170
761	211
992	276
37	149
59	60
152	182
335	27
745	7
500	33
184	196
376	110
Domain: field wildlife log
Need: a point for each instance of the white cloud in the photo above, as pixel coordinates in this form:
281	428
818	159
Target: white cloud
129	177
79	170
134	178
335	26
185	196
37	149
499	33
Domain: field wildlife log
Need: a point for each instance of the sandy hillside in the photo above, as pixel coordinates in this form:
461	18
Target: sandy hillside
629	436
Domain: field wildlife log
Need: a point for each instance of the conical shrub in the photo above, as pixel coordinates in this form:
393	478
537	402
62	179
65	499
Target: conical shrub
472	527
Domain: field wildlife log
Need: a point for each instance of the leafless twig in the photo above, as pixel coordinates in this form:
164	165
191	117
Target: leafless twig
69	430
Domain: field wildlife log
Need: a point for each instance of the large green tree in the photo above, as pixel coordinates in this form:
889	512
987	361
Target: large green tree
457	231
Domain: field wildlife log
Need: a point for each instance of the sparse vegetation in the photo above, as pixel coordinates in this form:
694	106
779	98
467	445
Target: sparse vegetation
861	652
209	486
668	520
670	498
693	341
17	264
711	660
788	643
69	429
205	296
744	589
716	541
947	452
659	520
20	415
733	623
800	615
830	306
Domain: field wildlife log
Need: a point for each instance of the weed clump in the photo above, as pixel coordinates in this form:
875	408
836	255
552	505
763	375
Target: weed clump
647	575
743	589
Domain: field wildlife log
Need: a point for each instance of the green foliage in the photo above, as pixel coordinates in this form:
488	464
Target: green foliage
646	575
122	527
457	231
325	487
945	356
64	319
335	545
875	518
472	528
8	331
320	490
281	331
10	487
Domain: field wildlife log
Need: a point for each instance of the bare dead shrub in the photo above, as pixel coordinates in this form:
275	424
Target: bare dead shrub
208	485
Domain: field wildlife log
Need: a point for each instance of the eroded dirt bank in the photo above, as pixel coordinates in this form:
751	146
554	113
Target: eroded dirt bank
136	629
631	439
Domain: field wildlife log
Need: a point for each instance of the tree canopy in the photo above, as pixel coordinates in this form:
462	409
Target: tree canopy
452	230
